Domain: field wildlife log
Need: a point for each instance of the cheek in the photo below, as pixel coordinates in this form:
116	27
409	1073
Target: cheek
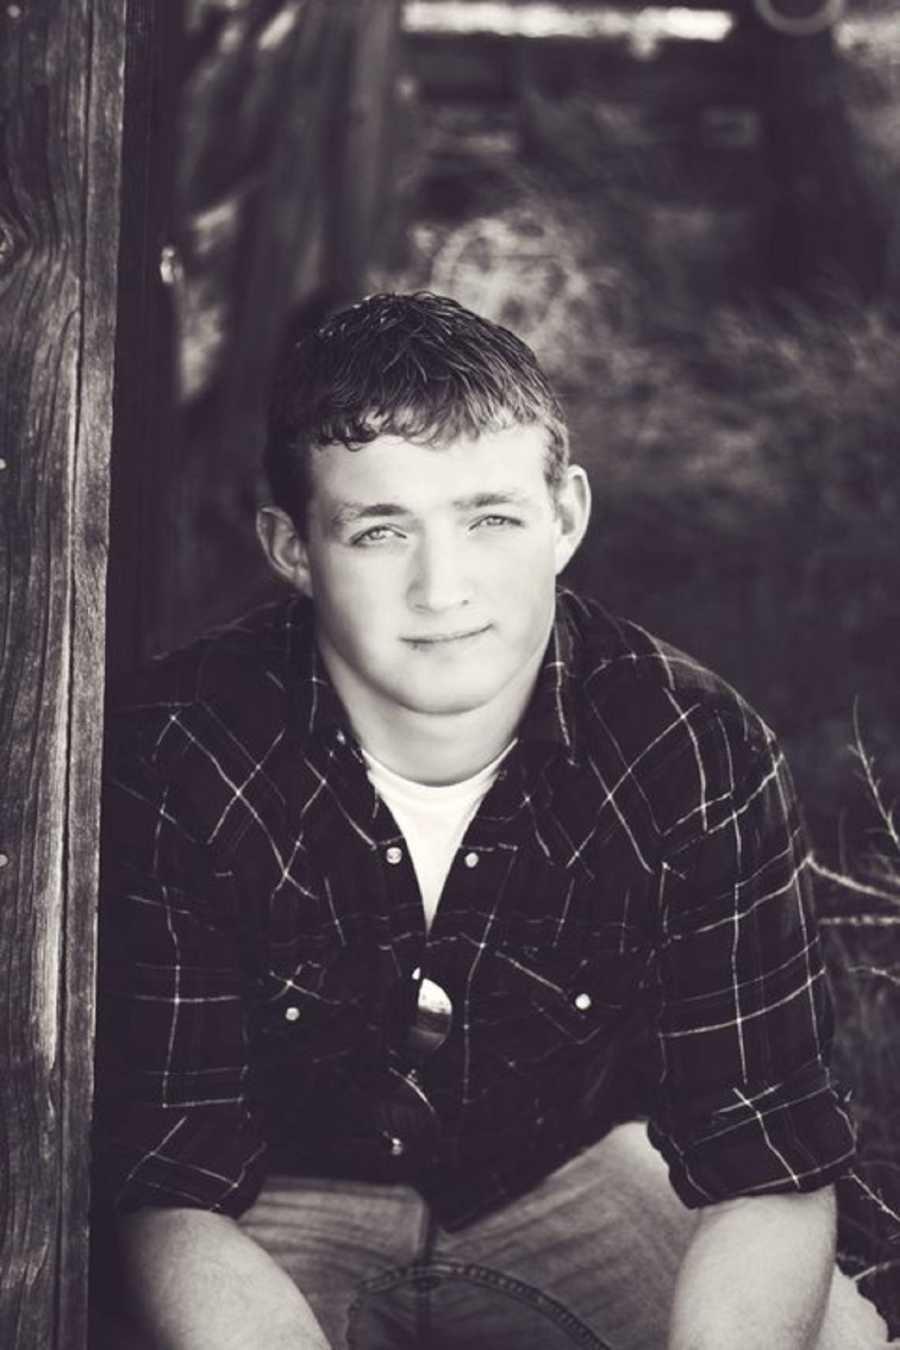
524	598
526	573
350	598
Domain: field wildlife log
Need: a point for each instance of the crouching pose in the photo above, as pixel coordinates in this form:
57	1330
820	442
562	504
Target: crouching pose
459	976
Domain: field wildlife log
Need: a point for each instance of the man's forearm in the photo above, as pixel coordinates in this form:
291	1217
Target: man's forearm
197	1282
756	1275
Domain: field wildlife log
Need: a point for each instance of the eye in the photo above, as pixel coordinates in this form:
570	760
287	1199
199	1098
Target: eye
496	522
376	535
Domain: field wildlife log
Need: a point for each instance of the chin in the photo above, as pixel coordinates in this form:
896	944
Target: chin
446	702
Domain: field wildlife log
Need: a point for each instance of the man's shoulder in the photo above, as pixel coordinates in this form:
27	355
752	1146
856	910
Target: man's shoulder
625	676
244	674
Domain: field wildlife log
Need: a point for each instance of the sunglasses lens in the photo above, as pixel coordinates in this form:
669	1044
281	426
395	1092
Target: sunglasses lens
404	1117
431	1024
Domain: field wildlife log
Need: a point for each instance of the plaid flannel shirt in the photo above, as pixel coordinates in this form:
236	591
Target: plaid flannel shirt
627	928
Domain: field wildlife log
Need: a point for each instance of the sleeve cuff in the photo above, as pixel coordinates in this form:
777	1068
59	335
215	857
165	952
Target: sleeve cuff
196	1163
758	1141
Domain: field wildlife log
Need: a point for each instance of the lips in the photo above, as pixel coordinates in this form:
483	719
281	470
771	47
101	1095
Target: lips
446	639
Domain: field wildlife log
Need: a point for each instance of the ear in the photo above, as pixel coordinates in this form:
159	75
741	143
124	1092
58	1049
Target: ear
573	511
284	549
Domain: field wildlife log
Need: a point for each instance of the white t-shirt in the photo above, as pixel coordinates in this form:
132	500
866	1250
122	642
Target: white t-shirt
432	819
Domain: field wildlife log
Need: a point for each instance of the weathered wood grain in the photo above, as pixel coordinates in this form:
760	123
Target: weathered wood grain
60	94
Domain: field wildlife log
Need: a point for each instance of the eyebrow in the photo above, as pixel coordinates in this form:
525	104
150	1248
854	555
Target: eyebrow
349	513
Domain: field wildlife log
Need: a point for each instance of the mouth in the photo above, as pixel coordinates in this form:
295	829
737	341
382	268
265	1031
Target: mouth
447	639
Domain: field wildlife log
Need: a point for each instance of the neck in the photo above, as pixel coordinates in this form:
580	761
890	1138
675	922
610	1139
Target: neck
438	754
434	748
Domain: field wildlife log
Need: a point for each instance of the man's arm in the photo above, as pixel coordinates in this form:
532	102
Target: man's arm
179	1143
197	1282
757	1274
746	1104
748	1118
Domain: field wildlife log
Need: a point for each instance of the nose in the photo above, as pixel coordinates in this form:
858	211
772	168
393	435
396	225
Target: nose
440	579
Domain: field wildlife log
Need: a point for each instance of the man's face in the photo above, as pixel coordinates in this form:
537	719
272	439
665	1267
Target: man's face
433	570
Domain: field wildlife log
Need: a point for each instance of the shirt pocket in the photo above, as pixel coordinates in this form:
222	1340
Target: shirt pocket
314	1007
568	993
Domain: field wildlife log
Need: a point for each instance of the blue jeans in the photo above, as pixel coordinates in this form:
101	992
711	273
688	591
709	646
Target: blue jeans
587	1258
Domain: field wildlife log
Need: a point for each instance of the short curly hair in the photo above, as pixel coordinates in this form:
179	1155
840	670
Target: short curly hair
420	366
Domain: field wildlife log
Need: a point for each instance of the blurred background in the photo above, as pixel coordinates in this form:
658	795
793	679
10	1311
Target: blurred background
693	215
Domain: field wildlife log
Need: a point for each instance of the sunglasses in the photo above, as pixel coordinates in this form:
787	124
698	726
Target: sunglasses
404	1117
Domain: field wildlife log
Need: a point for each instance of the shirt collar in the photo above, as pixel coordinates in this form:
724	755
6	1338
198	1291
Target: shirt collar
318	713
549	721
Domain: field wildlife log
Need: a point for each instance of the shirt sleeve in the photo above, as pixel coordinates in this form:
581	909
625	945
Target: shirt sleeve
746	1104
174	1123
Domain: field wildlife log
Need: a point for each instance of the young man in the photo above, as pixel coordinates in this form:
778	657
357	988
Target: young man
408	876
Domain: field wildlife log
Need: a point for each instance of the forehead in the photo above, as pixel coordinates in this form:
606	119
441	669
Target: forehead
513	459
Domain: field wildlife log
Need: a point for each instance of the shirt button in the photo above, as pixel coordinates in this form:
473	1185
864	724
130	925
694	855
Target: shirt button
292	1014
394	854
340	738
397	1146
583	1002
471	860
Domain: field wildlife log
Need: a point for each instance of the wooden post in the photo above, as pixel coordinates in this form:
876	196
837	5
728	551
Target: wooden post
61	92
364	135
825	233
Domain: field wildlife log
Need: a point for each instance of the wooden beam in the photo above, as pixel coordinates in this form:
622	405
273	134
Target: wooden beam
491	67
61	90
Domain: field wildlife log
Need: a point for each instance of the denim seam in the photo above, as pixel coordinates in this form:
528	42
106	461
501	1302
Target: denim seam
423	1304
551	1308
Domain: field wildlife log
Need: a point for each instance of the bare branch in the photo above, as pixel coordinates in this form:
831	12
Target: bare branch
849	883
875	1196
891	975
885	812
860	921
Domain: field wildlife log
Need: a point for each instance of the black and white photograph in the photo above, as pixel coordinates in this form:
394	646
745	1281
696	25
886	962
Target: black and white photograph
450	686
